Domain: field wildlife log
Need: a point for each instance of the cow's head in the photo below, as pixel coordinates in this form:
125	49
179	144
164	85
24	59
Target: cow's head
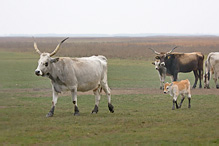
156	63
167	87
45	61
162	55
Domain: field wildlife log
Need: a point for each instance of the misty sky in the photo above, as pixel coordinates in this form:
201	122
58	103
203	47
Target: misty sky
109	16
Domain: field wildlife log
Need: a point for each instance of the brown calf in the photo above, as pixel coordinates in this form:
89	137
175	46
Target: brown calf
178	88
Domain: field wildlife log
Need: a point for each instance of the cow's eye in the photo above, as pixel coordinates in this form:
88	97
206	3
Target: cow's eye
46	64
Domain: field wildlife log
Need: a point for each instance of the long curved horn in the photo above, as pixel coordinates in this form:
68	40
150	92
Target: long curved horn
172	50
157	53
35	47
57	48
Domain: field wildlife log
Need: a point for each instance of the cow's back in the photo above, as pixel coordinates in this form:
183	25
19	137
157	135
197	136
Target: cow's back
187	62
182	85
89	71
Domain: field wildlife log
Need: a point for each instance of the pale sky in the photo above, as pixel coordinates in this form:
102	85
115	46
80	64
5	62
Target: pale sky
109	16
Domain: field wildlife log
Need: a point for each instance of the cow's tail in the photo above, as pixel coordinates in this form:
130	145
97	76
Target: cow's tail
200	64
208	66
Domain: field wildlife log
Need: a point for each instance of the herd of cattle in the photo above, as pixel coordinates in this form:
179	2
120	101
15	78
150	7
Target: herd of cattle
90	73
170	64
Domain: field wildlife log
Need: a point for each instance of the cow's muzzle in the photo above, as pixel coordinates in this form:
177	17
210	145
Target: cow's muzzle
165	92
38	73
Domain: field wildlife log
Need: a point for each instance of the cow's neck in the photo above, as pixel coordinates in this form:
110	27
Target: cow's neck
162	70
52	73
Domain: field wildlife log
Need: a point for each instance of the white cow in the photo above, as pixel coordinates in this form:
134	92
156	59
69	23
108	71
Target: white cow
211	67
74	74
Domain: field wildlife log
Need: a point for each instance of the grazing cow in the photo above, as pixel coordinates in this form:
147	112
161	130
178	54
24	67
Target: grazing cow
211	67
74	74
162	72
182	62
178	88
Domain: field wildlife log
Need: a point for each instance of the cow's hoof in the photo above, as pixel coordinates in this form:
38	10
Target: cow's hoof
95	110
49	114
76	114
111	108
173	108
189	106
217	86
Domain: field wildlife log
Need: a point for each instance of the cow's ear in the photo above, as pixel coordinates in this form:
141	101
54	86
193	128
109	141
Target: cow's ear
153	63
54	60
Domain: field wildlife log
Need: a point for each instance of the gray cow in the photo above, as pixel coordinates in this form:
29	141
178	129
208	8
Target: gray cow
74	74
162	72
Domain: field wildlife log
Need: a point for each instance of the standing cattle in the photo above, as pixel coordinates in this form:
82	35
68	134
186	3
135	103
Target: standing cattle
211	67
182	62
74	74
178	88
162	72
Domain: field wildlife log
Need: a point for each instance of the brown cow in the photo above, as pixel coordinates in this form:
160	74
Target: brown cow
182	62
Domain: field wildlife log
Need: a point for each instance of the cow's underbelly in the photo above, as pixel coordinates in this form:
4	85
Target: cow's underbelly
87	86
83	87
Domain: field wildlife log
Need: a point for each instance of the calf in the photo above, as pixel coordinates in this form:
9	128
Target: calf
178	87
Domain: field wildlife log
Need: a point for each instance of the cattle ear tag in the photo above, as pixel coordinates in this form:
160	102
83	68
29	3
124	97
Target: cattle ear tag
168	57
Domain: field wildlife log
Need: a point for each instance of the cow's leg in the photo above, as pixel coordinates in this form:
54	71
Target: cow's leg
175	102
200	78
215	80
54	101
74	100
106	89
196	78
171	78
183	97
189	98
175	74
208	79
162	82
97	99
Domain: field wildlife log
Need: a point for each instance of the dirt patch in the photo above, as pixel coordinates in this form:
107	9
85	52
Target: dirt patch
48	92
158	91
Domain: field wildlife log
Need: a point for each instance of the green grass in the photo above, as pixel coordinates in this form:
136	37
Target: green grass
138	119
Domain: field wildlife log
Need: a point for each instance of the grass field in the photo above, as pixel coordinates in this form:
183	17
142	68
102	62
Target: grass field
139	119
